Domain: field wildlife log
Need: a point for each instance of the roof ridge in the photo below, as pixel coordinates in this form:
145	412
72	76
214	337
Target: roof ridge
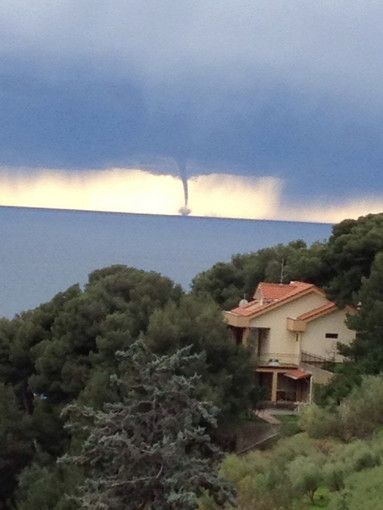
318	311
249	309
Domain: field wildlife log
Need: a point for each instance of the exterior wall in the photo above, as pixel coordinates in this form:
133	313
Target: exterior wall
280	340
314	339
320	376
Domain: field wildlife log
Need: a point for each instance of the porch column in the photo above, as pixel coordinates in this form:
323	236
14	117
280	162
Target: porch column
245	336
274	386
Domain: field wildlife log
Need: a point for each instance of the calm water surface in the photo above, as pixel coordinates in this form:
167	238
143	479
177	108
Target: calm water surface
45	251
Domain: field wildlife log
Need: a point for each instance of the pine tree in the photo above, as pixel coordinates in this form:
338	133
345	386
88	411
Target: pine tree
367	349
151	448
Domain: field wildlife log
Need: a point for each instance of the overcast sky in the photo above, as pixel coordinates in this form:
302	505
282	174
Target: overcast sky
266	108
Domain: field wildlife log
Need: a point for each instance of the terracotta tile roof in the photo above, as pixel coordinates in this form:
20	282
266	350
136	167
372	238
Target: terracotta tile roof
273	294
296	374
317	312
277	291
249	309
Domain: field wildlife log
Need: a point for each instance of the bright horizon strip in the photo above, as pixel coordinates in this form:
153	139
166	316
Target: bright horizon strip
142	192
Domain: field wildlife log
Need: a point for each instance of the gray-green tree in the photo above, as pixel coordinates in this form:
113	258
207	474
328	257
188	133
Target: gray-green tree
227	371
150	449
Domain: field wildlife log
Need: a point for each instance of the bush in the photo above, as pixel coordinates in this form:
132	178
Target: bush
348	420
363	490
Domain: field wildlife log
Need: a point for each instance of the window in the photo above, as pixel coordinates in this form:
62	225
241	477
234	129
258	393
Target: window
331	335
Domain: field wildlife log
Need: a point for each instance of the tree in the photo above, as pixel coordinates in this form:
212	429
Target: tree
363	490
227	371
15	450
64	351
367	349
365	354
51	355
43	488
117	302
350	253
228	282
338	265
305	475
150	449
347	420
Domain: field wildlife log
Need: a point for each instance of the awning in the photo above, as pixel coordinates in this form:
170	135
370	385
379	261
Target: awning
296	374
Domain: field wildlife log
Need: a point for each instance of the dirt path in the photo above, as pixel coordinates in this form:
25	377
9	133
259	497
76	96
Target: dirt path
263	414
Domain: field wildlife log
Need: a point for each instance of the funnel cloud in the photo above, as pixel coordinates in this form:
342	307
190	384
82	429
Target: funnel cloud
184	210
138	191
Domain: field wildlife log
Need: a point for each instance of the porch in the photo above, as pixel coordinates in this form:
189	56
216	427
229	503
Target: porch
285	384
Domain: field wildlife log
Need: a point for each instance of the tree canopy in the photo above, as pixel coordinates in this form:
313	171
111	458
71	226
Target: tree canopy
337	265
63	353
334	461
149	449
350	254
228	282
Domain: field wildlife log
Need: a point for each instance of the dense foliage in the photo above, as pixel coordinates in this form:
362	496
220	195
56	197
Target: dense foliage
150	448
63	352
338	265
228	282
335	463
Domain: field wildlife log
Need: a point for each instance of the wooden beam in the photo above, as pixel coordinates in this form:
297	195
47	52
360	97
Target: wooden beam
274	386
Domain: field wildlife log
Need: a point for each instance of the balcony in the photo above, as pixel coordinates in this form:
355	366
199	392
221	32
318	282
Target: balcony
274	359
326	363
295	325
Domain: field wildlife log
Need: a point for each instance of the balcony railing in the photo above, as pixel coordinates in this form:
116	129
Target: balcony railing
308	357
327	363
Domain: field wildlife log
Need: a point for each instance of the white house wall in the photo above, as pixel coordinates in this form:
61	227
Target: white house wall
280	340
314	339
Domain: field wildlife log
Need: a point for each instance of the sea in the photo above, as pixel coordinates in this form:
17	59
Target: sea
44	251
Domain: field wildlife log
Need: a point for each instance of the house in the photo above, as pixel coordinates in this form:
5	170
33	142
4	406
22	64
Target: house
294	330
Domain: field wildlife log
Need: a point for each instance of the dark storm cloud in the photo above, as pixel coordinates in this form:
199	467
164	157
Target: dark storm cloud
288	89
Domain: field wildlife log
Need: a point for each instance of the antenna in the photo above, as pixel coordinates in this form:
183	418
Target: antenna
282	271
243	301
